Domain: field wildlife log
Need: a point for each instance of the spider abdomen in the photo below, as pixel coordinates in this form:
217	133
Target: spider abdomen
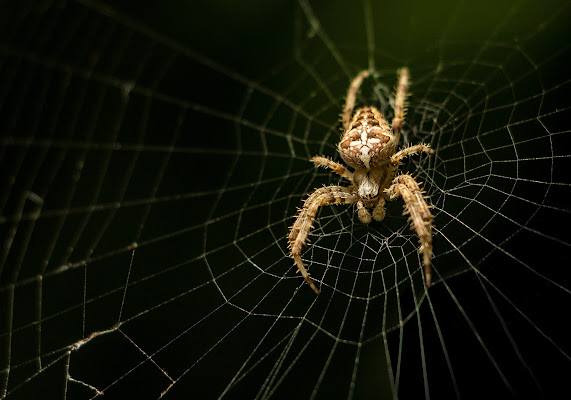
368	143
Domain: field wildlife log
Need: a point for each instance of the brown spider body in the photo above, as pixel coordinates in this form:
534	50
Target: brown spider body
369	146
368	142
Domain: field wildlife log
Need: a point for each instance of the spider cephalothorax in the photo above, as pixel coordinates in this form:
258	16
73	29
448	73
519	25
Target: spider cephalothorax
369	146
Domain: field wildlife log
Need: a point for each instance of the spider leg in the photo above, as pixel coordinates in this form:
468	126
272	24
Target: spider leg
379	210
351	97
304	221
420	216
408	151
363	214
400	106
339	169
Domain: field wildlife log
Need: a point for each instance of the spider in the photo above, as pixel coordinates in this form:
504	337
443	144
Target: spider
369	145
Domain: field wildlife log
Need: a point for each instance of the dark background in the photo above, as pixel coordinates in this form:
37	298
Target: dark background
185	127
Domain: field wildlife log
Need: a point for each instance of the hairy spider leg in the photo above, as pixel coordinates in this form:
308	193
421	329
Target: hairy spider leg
420	216
399	106
339	169
408	151
306	216
352	97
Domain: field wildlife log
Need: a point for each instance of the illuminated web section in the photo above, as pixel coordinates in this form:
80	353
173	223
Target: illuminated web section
148	187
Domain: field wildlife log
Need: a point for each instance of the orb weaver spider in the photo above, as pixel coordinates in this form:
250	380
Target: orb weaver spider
369	146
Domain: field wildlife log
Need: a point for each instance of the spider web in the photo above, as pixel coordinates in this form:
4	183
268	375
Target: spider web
152	159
